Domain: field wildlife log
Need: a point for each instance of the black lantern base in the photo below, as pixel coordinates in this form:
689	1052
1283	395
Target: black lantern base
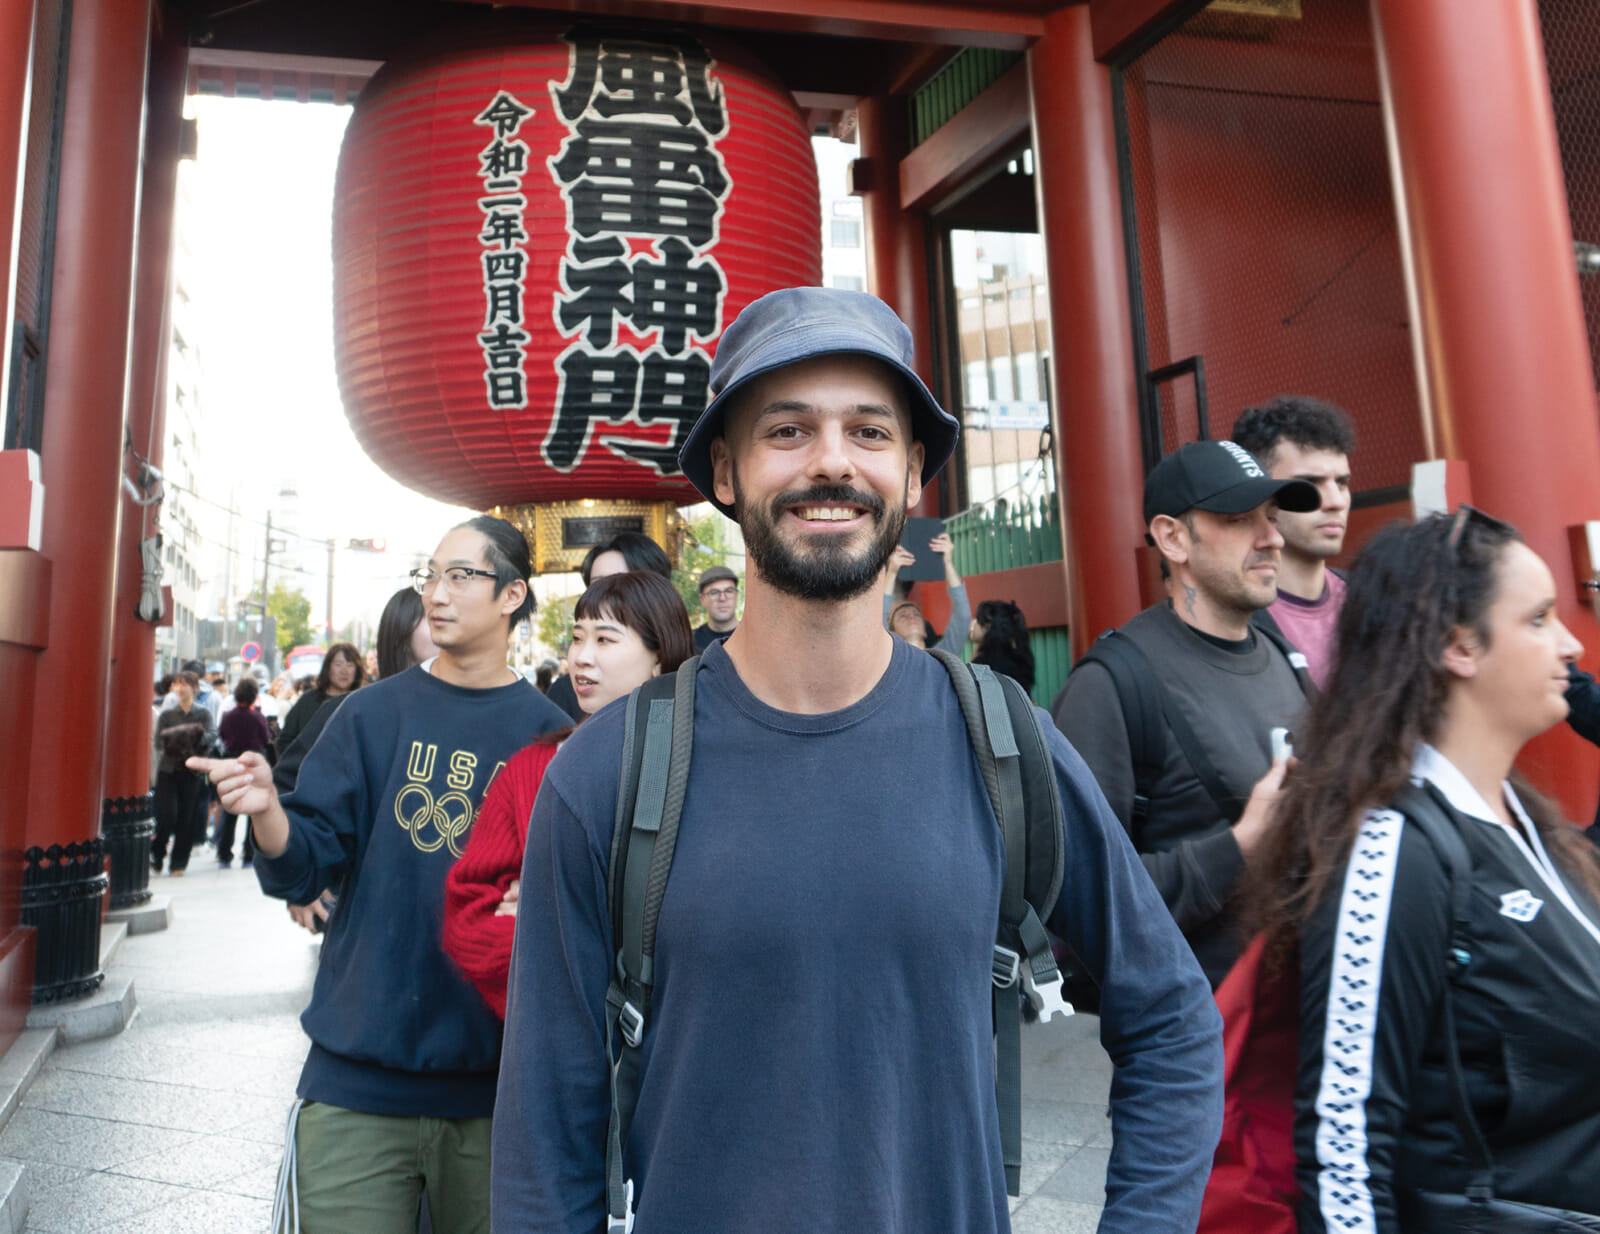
61	890
128	825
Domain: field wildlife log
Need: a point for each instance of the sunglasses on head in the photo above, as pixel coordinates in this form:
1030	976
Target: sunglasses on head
1466	514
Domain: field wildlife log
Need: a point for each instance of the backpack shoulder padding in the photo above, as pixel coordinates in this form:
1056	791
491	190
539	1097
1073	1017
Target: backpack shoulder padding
1143	714
1041	798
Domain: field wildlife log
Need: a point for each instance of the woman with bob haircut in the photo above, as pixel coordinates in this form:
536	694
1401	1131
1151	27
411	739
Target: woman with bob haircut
627	628
1446	919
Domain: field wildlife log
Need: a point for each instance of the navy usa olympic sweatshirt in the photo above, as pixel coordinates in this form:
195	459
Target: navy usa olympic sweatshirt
386	799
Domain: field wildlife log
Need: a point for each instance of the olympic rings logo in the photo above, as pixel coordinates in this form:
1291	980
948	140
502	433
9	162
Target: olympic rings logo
434	823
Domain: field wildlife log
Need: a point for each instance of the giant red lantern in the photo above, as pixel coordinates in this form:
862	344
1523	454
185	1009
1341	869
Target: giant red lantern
536	247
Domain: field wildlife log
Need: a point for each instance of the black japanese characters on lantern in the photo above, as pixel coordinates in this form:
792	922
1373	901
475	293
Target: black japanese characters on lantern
501	166
640	164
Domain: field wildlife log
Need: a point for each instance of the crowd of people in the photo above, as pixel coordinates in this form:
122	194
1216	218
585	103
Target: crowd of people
1343	958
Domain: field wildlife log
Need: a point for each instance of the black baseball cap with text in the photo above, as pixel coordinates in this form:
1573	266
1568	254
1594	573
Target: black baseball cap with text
1222	477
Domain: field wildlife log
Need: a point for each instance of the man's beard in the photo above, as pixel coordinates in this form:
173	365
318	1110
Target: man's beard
825	569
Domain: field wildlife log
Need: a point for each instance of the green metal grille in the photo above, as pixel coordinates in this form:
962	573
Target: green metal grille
969	74
1052	661
1012	534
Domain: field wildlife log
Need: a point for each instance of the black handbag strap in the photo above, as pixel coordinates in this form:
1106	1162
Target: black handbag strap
1422	806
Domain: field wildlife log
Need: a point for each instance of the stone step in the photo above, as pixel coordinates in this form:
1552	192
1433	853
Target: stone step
112	933
18	1067
154	914
104	1013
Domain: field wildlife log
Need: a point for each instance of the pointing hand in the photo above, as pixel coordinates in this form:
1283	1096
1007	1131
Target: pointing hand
244	784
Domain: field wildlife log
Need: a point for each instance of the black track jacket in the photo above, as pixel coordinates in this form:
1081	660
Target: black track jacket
1372	1102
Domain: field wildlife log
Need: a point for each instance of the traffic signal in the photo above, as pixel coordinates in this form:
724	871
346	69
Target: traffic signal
369	546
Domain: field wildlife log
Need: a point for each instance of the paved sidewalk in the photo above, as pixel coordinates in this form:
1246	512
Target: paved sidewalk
176	1125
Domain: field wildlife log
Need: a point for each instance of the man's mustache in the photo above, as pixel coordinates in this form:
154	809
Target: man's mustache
829	495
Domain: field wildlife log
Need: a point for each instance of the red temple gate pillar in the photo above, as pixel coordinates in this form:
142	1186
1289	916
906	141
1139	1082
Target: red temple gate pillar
897	265
80	458
1096	402
128	809
23	571
1506	363
16	48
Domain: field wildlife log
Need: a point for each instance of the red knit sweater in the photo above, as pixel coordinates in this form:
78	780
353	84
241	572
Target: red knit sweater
477	940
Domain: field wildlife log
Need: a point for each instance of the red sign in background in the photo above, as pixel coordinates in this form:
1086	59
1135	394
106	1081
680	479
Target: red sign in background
623	251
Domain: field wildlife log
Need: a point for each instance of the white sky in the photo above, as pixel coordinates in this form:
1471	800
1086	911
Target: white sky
261	278
260	275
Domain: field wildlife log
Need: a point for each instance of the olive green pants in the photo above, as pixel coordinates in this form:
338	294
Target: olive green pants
364	1173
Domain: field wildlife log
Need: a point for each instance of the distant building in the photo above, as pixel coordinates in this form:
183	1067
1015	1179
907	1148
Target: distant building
182	543
844	250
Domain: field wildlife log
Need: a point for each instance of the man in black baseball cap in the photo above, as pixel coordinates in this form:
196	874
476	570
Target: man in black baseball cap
1174	712
821	1048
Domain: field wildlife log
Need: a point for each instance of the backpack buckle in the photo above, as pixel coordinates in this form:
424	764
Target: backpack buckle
1006	968
624	1223
631	1020
1046	995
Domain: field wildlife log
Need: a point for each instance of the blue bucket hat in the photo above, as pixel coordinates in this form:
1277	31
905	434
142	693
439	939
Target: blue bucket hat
801	323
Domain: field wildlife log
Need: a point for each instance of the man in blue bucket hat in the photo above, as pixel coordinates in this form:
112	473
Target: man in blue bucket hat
816	1051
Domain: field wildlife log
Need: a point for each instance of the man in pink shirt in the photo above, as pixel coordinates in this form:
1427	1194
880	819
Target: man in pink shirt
1296	438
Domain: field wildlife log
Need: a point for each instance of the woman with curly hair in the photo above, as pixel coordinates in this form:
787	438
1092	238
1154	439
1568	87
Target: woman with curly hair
1445	920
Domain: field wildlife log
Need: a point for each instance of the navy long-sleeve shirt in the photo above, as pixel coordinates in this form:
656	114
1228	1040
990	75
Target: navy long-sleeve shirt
820	1054
385	800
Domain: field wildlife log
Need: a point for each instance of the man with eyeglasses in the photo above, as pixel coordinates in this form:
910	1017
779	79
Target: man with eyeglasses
399	1085
719	596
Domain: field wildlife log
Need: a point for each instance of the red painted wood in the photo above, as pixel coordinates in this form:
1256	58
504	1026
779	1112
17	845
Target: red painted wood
25	580
1096	402
1283	271
896	239
1040	591
1117	26
410	284
1508	367
973	136
84	392
21	498
897	242
1009	26
133	642
16	38
25	615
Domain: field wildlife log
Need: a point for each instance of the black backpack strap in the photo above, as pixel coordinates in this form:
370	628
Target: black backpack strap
1151	704
1138	693
1264	622
1422	807
657	744
993	707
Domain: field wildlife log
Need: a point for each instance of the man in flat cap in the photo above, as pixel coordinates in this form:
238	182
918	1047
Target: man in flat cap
1174	711
819	1051
719	596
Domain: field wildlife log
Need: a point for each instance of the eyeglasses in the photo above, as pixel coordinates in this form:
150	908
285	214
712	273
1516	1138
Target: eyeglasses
1471	514
456	579
720	593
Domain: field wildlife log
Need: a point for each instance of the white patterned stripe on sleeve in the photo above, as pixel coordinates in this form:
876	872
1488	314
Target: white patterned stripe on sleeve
1353	984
